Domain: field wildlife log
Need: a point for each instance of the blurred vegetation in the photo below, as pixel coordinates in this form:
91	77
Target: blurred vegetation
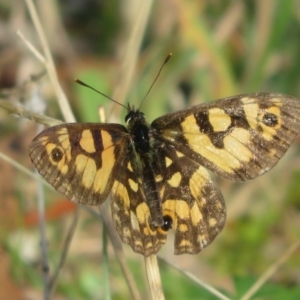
220	48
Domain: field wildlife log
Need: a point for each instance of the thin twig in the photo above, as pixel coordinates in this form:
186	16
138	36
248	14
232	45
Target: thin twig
49	64
65	251
21	111
107	294
271	270
36	53
44	247
22	168
119	253
129	60
209	288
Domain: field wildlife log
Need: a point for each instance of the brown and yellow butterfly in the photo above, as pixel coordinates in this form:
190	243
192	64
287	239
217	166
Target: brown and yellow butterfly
156	174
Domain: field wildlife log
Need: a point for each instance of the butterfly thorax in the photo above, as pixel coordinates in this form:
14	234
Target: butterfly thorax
139	131
143	161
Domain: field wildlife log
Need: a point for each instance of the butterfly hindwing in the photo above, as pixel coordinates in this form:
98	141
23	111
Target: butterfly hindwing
131	213
191	200
79	159
239	138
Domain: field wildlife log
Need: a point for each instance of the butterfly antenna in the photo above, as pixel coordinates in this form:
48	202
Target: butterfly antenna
88	86
166	60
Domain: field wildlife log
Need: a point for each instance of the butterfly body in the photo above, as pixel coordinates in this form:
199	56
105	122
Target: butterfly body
156	174
143	156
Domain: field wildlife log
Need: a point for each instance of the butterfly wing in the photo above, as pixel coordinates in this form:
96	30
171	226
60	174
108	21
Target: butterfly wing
80	159
191	201
239	137
131	212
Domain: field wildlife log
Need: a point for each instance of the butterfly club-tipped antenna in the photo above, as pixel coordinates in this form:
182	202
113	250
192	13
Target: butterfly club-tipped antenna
165	61
90	87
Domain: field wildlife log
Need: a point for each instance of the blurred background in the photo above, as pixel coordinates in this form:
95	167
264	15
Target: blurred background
220	48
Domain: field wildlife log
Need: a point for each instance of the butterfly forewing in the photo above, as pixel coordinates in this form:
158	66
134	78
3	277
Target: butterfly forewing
239	137
79	160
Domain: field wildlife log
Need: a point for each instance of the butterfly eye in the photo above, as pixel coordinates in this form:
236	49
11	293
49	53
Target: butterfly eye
128	118
168	223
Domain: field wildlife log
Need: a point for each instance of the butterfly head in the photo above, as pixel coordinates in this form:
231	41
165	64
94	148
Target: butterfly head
134	116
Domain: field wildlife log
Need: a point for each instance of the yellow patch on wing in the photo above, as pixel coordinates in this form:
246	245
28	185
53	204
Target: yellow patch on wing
144	217
175	180
120	191
88	175
251	109
108	161
276	101
185	244
64	169
201	144
236	144
134	186
87	167
80	162
182	209
87	141
134	221
158	178
219	120
129	166
183	228
143	213
196	215
44	140
168	161
212	222
179	154
197	181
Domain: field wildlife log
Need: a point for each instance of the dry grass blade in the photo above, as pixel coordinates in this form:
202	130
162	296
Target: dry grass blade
22	168
65	251
153	276
119	253
49	64
209	288
22	112
129	59
44	243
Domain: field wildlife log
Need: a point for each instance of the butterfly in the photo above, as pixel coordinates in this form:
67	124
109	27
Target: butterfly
157	174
